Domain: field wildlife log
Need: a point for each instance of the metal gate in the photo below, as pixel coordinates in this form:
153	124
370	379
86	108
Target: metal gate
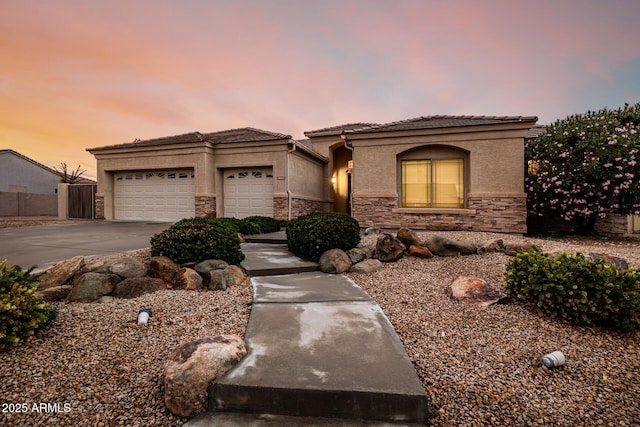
81	200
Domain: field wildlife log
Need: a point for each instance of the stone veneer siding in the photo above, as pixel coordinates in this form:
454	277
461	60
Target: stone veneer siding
503	214
299	207
99	207
205	206
612	225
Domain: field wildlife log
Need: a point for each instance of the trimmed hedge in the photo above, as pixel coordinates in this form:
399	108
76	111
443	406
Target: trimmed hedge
254	224
576	289
22	312
198	239
311	235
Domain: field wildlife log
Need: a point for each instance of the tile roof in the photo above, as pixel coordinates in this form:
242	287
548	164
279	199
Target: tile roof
246	134
434	122
536	131
338	129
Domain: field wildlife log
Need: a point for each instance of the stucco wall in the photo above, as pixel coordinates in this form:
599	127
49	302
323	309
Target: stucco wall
495	164
19	174
28	204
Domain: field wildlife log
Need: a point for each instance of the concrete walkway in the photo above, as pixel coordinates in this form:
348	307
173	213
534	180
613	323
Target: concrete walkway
320	352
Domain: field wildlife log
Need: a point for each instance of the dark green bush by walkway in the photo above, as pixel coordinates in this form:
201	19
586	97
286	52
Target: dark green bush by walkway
198	239
310	235
254	224
22	312
576	289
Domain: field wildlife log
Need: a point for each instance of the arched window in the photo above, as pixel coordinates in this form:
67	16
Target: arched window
433	177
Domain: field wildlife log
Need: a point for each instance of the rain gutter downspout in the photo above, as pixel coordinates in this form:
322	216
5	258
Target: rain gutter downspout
348	146
289	196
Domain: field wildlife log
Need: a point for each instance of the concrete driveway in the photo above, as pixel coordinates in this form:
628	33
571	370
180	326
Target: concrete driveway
46	245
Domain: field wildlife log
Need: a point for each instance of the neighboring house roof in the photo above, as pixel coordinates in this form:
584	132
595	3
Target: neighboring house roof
536	131
246	134
15	153
306	142
336	130
434	122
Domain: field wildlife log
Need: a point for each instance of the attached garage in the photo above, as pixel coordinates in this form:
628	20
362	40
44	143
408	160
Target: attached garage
248	192
154	195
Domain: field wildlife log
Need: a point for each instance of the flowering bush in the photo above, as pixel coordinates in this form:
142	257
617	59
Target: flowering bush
586	167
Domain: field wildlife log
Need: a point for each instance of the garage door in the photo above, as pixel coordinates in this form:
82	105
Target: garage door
160	195
248	192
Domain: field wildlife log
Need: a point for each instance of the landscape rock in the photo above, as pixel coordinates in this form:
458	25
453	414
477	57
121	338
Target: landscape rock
473	290
56	293
372	231
420	251
367	266
60	273
443	246
136	286
235	275
388	248
620	263
222	279
128	268
89	287
190	368
162	267
512	249
358	254
188	279
204	267
106	299
491	246
334	261
408	237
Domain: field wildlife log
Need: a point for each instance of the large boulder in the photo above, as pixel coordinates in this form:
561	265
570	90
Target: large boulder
496	245
190	368
235	275
204	267
367	266
56	293
420	251
61	273
125	267
408	237
620	263
512	249
388	248
188	279
443	246
162	267
136	286
334	261
473	290
89	287
358	254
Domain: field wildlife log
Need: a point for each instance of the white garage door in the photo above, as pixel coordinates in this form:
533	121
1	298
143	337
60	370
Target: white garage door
248	192
160	195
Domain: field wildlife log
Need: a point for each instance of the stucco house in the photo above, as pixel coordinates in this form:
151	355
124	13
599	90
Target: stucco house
19	173
436	172
232	173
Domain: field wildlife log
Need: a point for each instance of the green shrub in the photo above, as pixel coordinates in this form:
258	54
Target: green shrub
264	224
576	289
310	235
22	312
198	239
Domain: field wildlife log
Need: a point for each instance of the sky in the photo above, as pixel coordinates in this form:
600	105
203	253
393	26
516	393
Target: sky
83	74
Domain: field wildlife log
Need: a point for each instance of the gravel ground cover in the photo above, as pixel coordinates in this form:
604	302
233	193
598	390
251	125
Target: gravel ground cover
480	366
30	221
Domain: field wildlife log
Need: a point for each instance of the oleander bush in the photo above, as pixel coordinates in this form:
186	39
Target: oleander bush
574	288
309	236
198	239
22	312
